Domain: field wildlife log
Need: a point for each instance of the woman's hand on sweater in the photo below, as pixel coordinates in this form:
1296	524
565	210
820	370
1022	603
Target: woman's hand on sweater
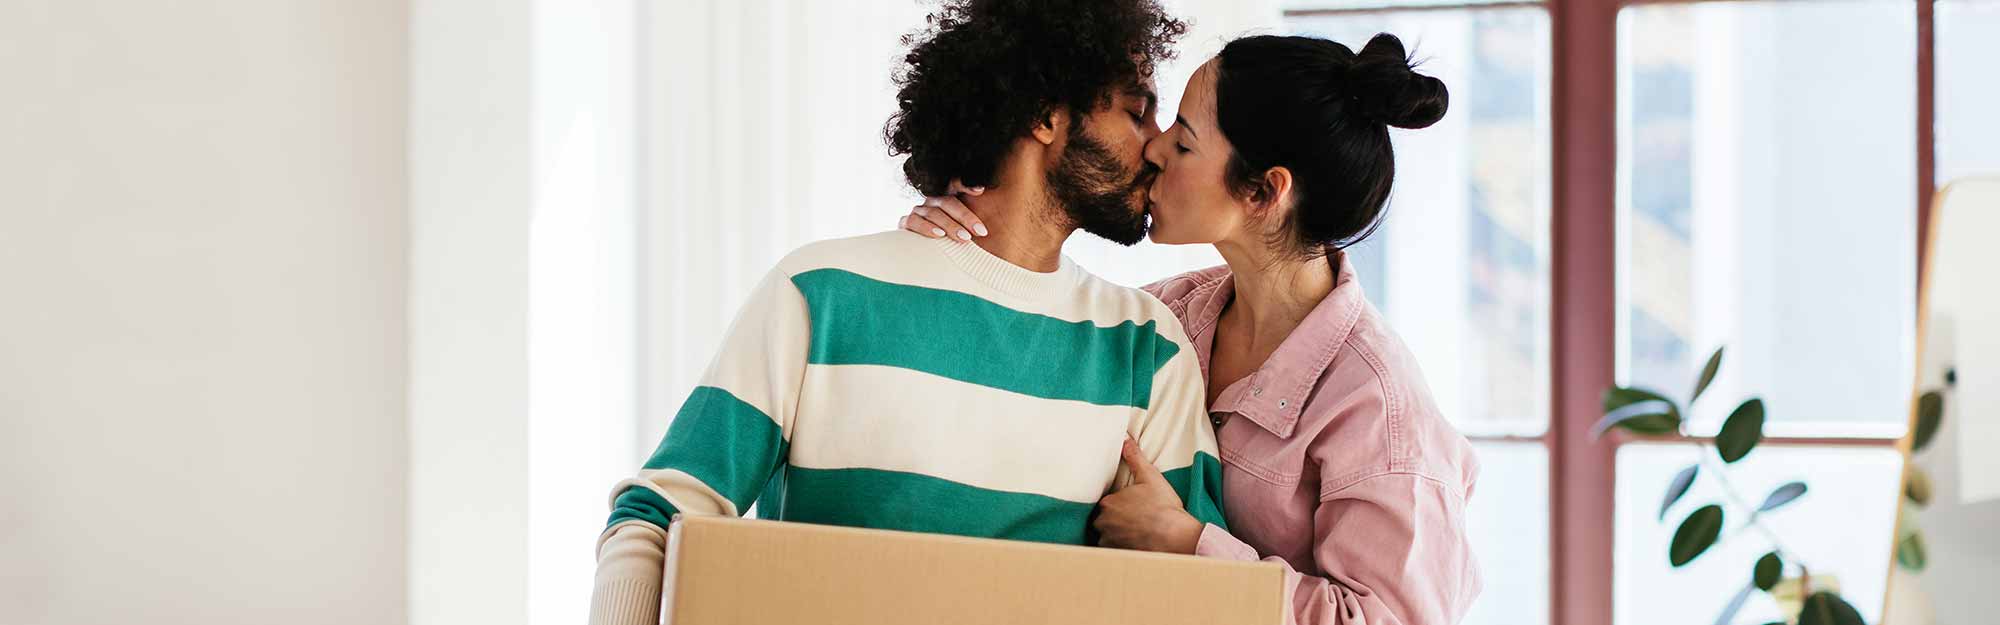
946	216
1145	515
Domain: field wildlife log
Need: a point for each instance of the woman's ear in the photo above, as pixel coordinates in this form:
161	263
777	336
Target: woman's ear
1278	183
1273	192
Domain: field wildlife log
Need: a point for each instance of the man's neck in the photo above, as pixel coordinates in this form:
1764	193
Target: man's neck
1021	231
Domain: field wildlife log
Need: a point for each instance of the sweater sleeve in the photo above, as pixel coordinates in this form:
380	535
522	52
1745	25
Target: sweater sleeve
1175	433
723	447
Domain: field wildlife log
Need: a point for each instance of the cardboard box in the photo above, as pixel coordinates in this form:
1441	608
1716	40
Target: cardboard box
723	570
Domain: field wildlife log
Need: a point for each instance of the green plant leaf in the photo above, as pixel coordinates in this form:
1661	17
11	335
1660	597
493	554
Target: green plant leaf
1910	553
1696	534
1917	486
1782	495
1620	397
1642	422
1639	411
1741	432
1678	488
1735	605
1826	608
1769	569
1930	414
1707	375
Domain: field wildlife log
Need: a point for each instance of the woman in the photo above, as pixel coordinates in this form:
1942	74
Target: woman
1337	463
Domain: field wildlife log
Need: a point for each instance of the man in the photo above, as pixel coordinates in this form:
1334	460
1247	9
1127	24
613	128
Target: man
891	381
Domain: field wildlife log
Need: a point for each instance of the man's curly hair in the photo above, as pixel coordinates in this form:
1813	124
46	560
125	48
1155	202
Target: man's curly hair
983	72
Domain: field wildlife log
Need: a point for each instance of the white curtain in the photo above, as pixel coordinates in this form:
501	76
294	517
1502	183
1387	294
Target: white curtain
761	130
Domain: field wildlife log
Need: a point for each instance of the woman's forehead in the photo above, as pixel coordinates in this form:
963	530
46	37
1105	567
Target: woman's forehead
1200	92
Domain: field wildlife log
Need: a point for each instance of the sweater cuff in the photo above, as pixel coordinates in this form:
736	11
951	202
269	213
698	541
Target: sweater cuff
625	602
1216	542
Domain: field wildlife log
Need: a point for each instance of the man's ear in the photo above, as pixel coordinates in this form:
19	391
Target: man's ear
1051	125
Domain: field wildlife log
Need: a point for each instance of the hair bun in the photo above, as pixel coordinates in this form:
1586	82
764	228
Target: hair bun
1386	89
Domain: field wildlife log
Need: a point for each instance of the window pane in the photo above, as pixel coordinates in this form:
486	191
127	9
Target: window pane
1841	529
1311	5
1460	267
1968	133
1766	176
1508	524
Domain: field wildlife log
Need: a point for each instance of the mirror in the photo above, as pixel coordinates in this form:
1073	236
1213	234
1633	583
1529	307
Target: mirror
1947	543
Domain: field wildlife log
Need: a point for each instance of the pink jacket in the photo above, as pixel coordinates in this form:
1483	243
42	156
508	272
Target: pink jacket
1337	464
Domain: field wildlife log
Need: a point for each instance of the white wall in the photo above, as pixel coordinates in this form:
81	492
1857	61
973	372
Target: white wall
469	198
202	225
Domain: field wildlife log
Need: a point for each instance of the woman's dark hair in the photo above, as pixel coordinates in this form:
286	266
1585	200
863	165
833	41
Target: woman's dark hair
983	72
1323	112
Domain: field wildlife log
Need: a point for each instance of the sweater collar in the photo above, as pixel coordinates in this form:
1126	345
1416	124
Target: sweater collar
1007	277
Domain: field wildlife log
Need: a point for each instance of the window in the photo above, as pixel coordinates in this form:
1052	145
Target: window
1857	485
1508	524
1967	94
1319	6
1748	220
1460	267
1766	162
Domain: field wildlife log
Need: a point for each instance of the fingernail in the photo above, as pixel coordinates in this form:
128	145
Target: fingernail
937	231
977	190
979	228
964	235
923	213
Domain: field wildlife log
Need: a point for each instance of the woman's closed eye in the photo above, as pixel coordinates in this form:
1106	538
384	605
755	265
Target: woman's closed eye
1179	130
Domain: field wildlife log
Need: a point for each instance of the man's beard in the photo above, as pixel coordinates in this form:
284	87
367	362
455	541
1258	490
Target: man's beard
1095	192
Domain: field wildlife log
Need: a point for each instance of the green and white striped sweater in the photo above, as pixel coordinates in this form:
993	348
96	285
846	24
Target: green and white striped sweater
897	382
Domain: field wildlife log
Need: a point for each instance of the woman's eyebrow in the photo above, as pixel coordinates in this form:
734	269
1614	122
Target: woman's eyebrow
1183	122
